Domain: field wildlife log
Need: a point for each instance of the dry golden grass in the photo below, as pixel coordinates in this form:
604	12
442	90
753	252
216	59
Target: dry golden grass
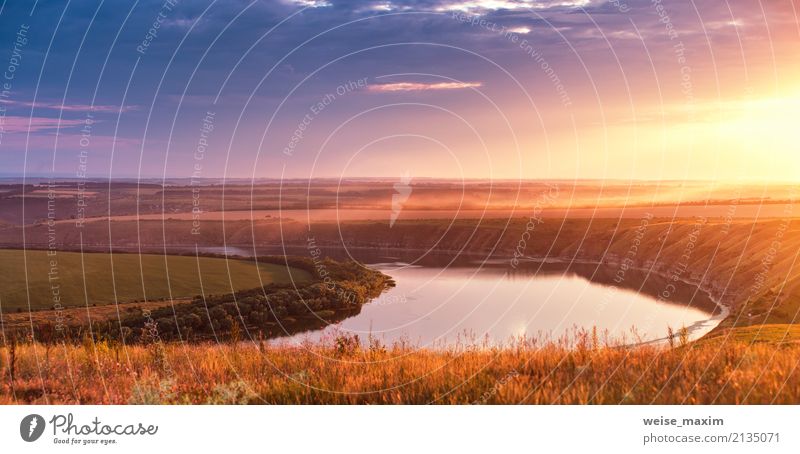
341	372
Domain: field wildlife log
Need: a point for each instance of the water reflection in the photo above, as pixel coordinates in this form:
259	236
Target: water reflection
440	306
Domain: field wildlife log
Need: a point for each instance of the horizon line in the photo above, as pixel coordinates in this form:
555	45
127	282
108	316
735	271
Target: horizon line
58	178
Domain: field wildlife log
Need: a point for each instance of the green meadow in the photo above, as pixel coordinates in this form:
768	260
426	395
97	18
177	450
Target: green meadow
73	279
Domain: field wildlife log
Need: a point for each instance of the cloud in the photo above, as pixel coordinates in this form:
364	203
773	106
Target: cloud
310	3
464	6
103	108
520	30
417	86
13	124
479	6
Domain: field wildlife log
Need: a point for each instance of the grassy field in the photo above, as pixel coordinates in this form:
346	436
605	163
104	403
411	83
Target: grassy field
340	372
104	279
775	334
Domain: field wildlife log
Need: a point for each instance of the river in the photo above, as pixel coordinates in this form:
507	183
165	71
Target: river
488	304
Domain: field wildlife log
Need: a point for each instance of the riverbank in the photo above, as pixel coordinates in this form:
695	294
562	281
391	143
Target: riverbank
328	292
724	307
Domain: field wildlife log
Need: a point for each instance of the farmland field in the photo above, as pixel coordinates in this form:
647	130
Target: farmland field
96	278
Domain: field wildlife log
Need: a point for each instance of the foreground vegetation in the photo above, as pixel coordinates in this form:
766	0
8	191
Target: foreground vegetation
344	371
71	279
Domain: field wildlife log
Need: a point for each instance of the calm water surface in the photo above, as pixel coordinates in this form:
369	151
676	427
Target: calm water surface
433	307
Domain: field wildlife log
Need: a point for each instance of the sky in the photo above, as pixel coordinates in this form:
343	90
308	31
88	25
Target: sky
530	89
